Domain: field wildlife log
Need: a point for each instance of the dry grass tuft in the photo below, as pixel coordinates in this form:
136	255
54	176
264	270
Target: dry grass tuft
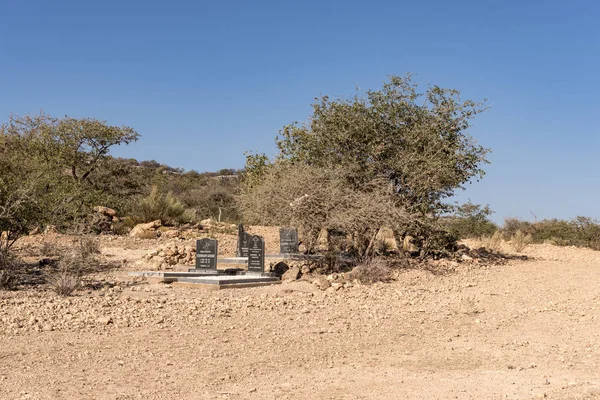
76	261
520	241
372	271
64	282
493	243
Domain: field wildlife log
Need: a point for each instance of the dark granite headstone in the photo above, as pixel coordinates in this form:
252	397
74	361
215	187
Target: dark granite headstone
243	242
256	254
206	253
288	240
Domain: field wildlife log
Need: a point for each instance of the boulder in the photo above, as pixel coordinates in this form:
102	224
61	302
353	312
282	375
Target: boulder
292	274
385	236
323	240
321	282
150	225
280	268
145	231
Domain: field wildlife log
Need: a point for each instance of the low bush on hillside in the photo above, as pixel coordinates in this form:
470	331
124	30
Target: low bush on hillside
164	207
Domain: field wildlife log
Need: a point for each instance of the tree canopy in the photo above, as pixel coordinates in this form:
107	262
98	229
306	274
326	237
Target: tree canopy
47	167
411	147
419	142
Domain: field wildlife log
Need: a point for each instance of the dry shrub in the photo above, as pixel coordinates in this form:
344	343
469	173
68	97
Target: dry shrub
372	271
64	282
120	228
494	242
48	249
314	199
520	241
88	247
8	272
76	260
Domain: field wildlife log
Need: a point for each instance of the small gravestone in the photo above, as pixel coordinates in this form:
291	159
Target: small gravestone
288	240
206	254
256	254
243	242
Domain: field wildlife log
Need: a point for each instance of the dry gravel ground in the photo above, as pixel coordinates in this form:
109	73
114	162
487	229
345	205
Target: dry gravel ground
529	329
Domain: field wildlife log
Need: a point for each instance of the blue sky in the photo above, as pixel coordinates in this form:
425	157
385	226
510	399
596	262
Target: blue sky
205	81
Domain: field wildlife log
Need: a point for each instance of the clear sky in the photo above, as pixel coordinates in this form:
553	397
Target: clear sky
202	82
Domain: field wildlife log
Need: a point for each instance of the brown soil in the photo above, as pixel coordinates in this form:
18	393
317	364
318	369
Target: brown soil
528	329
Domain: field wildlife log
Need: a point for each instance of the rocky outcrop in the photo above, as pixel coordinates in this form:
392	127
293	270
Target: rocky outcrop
166	257
146	231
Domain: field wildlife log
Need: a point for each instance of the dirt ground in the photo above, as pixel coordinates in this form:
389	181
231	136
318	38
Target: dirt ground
528	329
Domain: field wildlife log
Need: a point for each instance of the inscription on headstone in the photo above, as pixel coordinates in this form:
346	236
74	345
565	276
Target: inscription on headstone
243	242
256	254
288	240
206	253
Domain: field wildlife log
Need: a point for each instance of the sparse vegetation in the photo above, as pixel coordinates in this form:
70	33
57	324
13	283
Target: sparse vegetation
164	207
372	271
493	242
520	241
471	221
48	249
75	261
64	282
8	273
581	231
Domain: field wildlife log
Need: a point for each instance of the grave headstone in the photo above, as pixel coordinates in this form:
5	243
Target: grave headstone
256	254
288	240
206	253
243	242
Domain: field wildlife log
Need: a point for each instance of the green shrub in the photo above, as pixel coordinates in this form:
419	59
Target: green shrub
164	207
512	225
471	221
581	231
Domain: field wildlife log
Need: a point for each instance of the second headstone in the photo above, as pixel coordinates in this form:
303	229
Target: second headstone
288	240
243	242
256	254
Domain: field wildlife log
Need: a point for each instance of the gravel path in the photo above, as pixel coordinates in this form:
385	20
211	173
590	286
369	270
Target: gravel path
529	329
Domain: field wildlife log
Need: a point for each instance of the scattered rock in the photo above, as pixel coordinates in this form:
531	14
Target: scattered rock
292	274
104	320
321	282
